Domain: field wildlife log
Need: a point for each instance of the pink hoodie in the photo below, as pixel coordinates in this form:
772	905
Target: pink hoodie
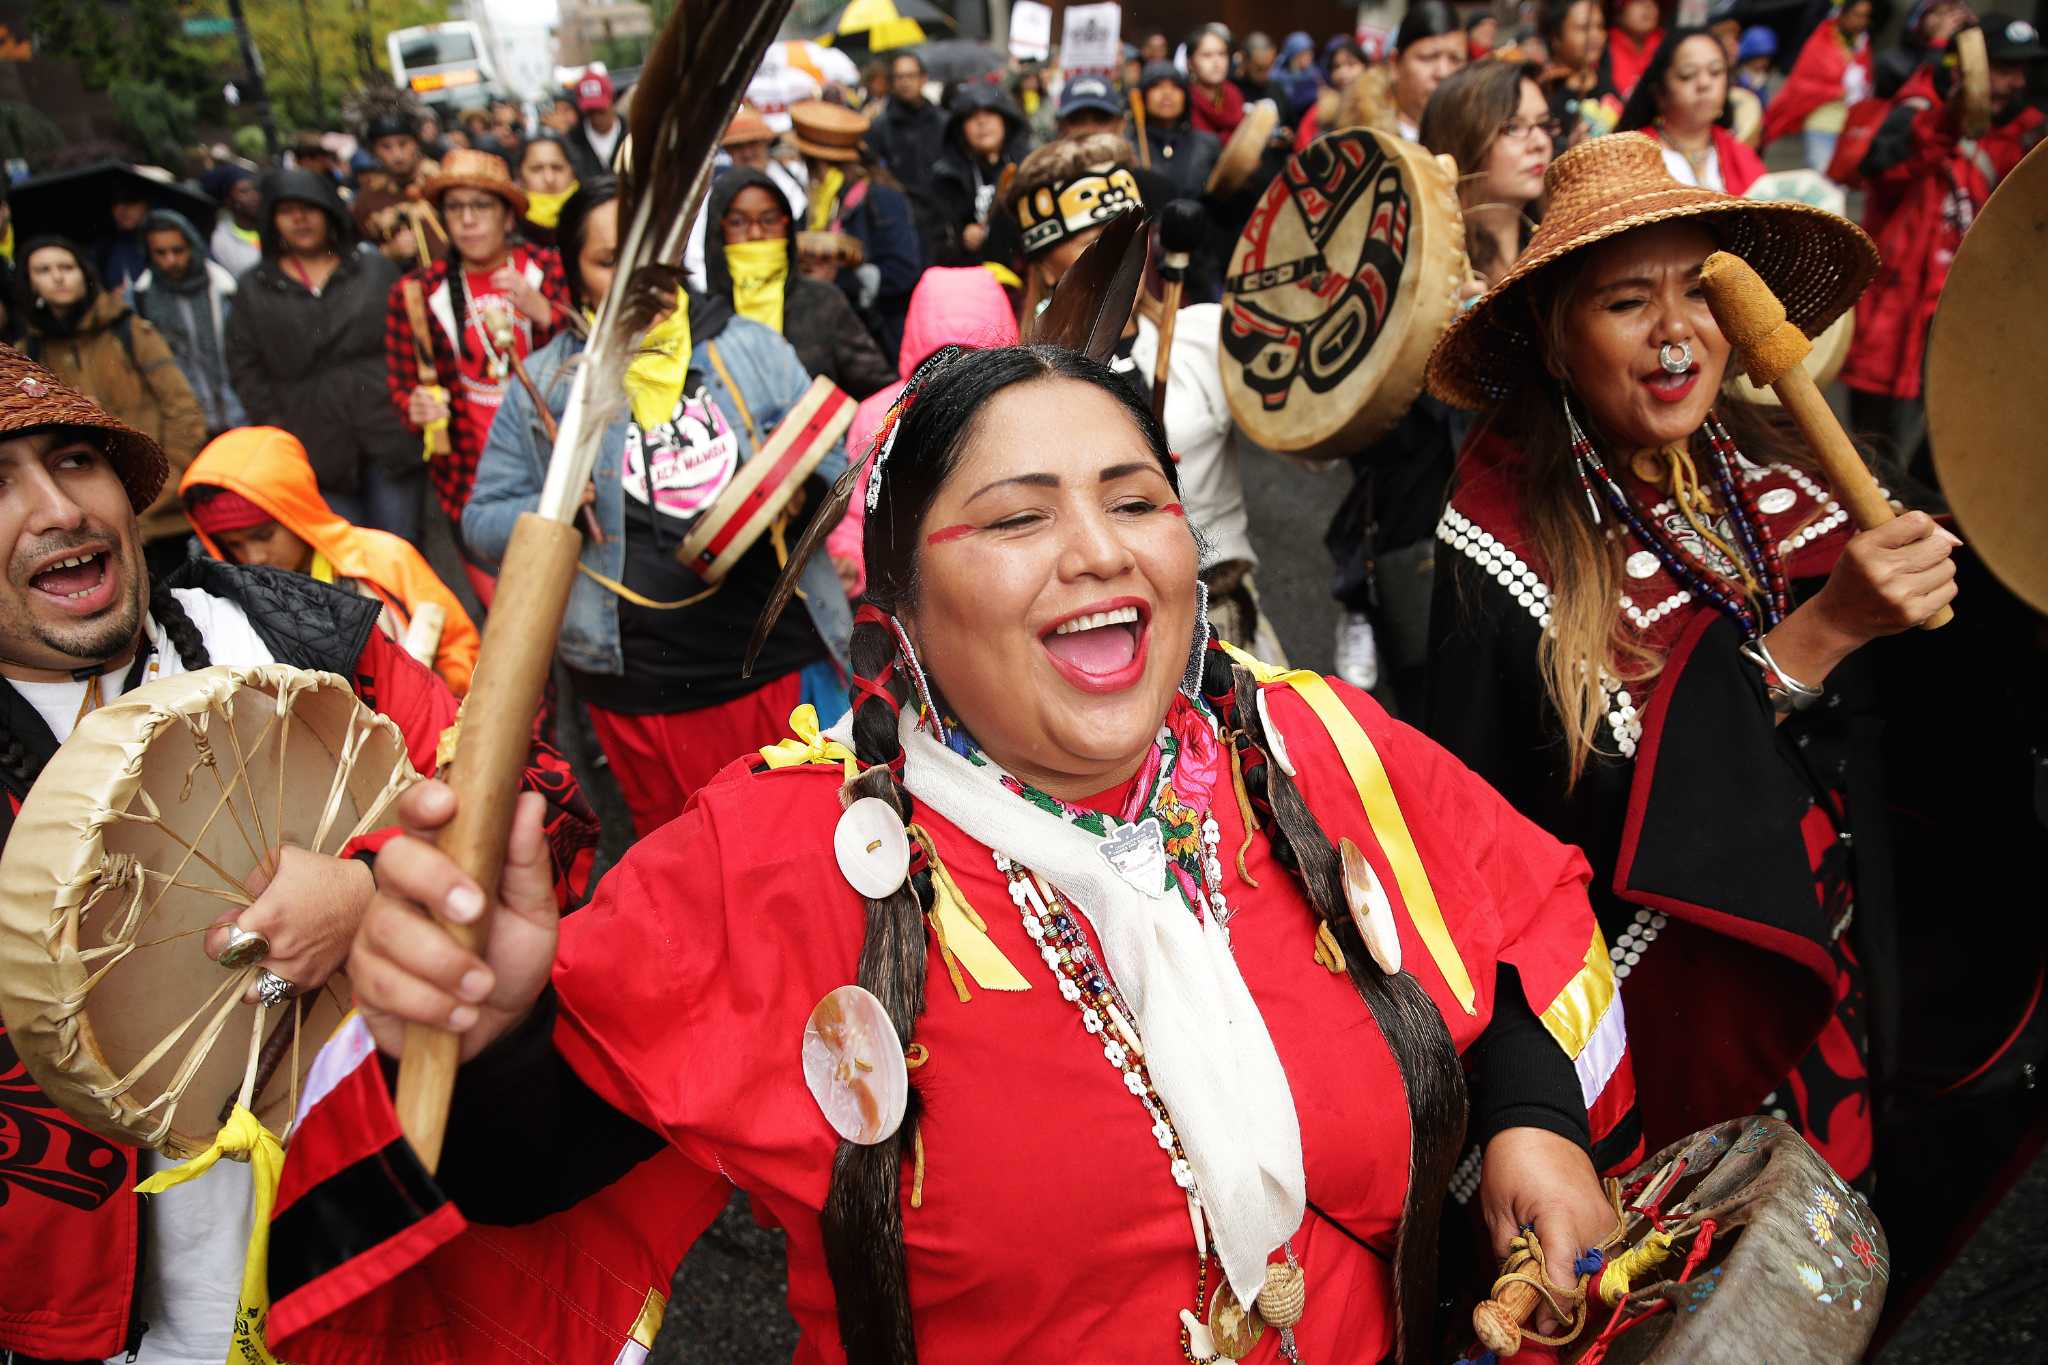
963	306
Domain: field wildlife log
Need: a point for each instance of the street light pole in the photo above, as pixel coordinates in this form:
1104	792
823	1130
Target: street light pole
259	93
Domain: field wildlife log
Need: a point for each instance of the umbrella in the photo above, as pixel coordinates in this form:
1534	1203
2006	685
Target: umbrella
864	27
826	65
951	60
77	204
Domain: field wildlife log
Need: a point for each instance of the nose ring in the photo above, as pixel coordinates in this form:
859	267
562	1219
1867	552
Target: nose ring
1675	356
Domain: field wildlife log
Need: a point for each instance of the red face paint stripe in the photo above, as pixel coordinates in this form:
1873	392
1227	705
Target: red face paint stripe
1175	508
941	536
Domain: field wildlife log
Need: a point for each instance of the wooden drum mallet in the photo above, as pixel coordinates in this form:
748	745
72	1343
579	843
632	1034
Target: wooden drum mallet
1754	321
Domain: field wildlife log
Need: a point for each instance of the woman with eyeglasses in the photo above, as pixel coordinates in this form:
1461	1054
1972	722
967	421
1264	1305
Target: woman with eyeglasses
1495	122
755	271
1682	101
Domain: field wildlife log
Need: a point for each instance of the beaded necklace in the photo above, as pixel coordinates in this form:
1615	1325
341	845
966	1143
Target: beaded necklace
1754	618
1191	837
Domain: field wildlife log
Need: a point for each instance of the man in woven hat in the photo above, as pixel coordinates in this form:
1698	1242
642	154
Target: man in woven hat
81	624
879	272
492	300
1927	181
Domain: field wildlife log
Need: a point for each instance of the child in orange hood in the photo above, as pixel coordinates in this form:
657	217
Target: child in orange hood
253	499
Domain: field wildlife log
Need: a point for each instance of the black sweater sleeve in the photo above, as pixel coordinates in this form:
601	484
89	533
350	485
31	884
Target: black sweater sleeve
1519	1076
526	1137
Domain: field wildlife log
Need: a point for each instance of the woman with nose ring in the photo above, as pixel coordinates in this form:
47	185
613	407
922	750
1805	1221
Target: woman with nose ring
1649	635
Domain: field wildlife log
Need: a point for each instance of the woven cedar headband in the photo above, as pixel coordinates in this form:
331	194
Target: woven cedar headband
1051	213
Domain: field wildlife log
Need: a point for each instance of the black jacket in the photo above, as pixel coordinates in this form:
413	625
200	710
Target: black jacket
909	139
817	320
964	185
314	365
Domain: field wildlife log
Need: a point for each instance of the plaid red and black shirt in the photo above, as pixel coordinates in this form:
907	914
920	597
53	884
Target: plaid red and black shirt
471	399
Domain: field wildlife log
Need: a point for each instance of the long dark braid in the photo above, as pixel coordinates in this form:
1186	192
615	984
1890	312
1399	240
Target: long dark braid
863	1215
15	759
1414	1028
862	1221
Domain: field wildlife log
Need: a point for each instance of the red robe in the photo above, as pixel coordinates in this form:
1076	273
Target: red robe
1816	79
1049	1226
1918	211
1627	59
1740	165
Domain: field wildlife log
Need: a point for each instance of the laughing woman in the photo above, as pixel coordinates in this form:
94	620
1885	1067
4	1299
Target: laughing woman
1647	586
1164	960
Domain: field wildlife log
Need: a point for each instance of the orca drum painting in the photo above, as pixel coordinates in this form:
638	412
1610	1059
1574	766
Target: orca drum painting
1337	290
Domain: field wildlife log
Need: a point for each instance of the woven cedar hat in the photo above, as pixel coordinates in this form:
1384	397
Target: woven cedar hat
468	168
747	126
827	131
1816	262
31	398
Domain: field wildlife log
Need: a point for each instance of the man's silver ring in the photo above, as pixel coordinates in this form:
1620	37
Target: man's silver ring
1675	356
245	948
272	989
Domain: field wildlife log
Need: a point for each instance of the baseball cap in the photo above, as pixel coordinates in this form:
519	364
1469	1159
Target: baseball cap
594	91
1089	92
2010	39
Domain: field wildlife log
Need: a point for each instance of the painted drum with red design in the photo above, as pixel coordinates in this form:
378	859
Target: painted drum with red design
766	484
1338	288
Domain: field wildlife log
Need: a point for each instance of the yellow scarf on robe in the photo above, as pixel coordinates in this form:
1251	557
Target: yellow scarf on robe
825	199
760	271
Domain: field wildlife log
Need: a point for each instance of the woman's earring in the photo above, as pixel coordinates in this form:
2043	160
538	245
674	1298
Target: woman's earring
1582	456
1198	648
926	711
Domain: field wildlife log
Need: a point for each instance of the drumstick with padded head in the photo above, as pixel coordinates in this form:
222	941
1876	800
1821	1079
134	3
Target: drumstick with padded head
1754	321
1181	224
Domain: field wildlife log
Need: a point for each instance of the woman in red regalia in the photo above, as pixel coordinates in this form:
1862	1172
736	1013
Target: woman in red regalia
1181	954
1650	587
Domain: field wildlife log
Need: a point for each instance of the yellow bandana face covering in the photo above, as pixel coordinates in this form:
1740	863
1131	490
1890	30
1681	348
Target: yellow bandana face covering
544	209
760	271
654	381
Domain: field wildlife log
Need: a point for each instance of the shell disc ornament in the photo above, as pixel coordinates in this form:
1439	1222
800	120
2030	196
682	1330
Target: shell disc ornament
853	1064
1234	1328
872	848
1371	911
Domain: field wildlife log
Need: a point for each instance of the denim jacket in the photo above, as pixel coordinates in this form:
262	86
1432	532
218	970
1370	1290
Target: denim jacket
514	461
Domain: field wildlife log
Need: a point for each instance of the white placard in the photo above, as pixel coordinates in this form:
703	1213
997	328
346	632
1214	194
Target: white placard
1092	39
1030	31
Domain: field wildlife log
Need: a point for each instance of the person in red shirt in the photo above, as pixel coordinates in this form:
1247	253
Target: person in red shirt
1631	41
1116	1107
1214	104
492	300
1832	72
1927	181
1682	101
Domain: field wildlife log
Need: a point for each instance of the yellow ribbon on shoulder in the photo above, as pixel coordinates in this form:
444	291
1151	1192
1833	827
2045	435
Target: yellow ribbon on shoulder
962	933
654	381
809	746
1382	812
243	1138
